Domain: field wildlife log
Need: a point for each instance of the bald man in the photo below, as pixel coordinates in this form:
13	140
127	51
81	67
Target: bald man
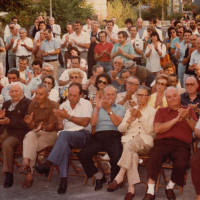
173	127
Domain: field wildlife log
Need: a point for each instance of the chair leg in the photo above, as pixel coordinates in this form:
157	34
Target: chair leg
50	172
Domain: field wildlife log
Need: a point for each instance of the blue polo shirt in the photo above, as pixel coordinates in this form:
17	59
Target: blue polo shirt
50	46
127	48
104	121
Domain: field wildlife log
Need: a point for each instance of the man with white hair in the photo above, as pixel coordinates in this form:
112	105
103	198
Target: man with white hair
55	28
47	69
140	27
173	127
12	128
23	46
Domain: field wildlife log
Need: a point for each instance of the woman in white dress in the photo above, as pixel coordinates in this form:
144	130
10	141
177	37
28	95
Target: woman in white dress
153	53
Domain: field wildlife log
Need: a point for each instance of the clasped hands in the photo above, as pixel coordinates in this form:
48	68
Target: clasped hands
134	114
183	114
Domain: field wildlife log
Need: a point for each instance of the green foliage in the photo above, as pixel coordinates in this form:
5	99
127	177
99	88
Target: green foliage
121	11
63	11
176	15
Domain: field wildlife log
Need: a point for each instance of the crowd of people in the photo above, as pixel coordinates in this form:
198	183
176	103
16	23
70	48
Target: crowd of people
127	91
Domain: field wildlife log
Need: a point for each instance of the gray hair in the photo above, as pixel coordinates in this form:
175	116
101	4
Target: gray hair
17	84
109	86
133	77
171	87
118	57
192	77
23	29
96	22
47	64
142	87
42	85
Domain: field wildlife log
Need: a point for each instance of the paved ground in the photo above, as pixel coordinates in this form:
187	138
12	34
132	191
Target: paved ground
44	190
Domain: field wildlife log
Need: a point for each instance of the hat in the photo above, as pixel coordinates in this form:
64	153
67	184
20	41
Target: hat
129	64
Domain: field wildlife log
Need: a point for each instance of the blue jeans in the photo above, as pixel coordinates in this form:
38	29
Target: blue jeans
62	148
107	66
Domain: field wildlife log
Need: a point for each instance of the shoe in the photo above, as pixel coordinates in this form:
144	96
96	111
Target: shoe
99	183
42	169
112	186
8	180
149	197
63	186
170	194
28	182
129	196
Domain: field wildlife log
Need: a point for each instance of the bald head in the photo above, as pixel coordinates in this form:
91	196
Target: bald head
173	97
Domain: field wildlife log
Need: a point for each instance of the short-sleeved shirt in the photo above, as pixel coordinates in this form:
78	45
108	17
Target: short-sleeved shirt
83	109
21	50
50	46
45	114
175	40
127	48
139	44
10	52
180	131
183	47
114	82
83	38
104	122
195	58
63	40
99	48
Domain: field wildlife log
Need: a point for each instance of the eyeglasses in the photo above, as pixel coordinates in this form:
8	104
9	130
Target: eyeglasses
74	77
179	32
161	84
118	63
189	84
142	95
104	82
132	83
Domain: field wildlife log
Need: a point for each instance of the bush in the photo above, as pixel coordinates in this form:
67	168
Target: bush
121	12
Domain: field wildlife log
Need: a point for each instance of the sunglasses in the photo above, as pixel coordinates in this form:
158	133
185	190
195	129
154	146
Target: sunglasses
104	82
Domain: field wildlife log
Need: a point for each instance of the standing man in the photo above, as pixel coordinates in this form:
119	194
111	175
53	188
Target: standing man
9	45
80	39
56	30
94	40
140	27
88	26
13	127
106	117
65	42
193	27
173	127
111	33
74	116
23	47
50	51
42	123
102	52
137	44
122	48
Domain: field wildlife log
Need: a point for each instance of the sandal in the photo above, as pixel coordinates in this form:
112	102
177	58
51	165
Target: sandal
25	170
27	183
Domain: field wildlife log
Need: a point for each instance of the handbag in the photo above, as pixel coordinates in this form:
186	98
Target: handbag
164	60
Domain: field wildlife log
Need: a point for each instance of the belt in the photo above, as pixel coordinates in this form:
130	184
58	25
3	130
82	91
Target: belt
50	60
23	56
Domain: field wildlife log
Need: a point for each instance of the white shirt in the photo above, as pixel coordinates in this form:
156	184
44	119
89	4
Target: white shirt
153	61
142	126
113	35
7	31
22	51
56	30
83	109
65	76
138	44
54	95
63	40
87	29
195	58
83	38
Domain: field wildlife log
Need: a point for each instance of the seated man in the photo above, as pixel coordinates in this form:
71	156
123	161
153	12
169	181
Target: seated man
138	139
42	123
128	98
195	162
106	117
12	128
173	126
74	116
13	76
191	97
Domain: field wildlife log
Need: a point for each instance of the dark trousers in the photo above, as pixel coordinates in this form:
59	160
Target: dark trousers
109	141
177	151
195	170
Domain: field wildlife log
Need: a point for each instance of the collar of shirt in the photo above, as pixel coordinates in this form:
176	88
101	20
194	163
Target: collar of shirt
169	109
46	105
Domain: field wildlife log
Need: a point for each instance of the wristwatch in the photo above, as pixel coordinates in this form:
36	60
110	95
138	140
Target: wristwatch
110	113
